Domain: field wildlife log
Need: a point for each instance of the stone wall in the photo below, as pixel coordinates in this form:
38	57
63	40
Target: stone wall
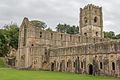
30	36
91	21
92	54
105	54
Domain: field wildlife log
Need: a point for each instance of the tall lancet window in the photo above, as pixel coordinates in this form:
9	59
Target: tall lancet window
24	39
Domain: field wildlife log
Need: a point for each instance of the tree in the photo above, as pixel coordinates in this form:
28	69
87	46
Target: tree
3	43
117	36
49	29
64	28
73	30
12	32
60	28
109	34
8	38
39	24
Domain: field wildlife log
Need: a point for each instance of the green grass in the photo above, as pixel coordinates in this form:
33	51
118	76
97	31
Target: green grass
12	74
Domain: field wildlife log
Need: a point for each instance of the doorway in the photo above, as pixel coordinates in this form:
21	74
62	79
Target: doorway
52	66
90	69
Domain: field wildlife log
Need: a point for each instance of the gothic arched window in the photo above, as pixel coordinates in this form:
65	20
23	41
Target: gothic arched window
81	64
85	20
113	66
51	35
95	19
40	34
96	33
85	34
25	33
101	66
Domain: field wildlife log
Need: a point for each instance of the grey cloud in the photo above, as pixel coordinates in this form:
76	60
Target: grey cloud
57	11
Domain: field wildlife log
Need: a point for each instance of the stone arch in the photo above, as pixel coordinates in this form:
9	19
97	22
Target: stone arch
69	65
118	63
95	19
77	65
62	65
101	65
44	64
90	69
85	19
52	66
85	34
113	66
96	33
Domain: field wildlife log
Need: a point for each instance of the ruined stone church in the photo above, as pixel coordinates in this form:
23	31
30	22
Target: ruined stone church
85	53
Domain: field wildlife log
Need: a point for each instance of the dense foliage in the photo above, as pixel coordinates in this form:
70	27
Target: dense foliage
8	38
65	28
49	29
39	24
111	35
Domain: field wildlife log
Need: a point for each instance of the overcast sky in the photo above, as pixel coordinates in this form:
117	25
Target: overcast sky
53	12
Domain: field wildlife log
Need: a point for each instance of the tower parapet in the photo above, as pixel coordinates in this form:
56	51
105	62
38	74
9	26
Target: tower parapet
91	21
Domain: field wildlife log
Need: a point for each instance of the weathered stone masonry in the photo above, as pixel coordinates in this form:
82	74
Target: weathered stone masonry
106	55
87	52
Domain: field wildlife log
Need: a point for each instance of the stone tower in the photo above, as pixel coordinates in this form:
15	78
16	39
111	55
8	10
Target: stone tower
91	21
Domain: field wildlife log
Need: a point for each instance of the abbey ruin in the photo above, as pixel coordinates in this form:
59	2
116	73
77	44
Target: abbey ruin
86	53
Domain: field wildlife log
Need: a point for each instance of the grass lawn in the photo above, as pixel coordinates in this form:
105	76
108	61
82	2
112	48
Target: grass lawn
12	74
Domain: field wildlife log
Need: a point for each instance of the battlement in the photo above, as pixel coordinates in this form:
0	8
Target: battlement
91	6
91	21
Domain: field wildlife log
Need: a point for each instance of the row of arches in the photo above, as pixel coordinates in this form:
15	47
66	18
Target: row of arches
82	67
70	66
77	67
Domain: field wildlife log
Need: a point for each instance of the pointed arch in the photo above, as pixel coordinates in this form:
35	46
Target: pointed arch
95	19
62	66
90	69
69	65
